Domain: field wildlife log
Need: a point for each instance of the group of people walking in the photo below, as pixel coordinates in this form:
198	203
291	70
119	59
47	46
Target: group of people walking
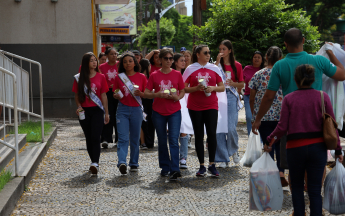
183	94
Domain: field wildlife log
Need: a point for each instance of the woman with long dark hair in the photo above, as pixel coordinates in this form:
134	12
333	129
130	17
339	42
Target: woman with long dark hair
109	70
258	62
169	89
90	88
202	81
131	83
102	58
147	135
227	143
154	59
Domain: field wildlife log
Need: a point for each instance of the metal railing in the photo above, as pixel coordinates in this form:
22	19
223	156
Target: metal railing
24	88
15	147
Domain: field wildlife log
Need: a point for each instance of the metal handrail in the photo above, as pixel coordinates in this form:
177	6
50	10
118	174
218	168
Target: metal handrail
41	88
15	147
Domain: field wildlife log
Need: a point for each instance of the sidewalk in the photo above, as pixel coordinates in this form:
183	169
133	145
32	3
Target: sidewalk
61	185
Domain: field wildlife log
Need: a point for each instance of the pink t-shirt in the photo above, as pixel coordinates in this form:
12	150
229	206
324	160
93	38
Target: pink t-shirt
197	100
239	72
109	72
137	79
248	73
98	85
154	68
160	82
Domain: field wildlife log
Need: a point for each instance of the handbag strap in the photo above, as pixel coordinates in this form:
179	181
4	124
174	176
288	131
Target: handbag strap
322	104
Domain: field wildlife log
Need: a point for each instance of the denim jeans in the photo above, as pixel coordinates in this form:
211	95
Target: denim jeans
166	162
184	147
227	144
311	158
128	120
248	113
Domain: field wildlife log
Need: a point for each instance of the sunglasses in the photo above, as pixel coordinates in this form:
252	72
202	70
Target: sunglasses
168	58
209	53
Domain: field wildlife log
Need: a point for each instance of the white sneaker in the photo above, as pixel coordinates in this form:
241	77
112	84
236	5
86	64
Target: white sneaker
183	164
222	165
236	157
94	168
105	144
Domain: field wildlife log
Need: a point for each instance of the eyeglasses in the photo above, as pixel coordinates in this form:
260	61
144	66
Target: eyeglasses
209	53
168	58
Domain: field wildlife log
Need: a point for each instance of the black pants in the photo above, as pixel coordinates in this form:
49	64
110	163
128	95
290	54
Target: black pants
108	129
92	126
209	118
342	132
148	127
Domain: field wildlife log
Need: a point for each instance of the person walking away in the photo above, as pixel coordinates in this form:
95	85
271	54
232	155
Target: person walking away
203	110
258	86
188	57
153	56
147	135
90	89
227	143
169	89
109	70
102	58
129	113
258	62
306	148
179	65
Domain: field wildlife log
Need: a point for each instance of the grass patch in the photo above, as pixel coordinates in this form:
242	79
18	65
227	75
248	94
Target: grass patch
33	130
5	176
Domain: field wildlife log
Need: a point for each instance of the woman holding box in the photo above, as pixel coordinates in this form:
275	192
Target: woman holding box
202	81
90	88
169	88
128	89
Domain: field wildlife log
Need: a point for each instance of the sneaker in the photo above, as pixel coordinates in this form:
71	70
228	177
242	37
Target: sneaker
212	169
105	144
123	169
134	169
174	176
202	171
183	164
143	146
164	174
236	157
222	165
94	168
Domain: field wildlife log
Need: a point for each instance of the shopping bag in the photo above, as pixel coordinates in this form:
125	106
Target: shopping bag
265	188
253	151
334	190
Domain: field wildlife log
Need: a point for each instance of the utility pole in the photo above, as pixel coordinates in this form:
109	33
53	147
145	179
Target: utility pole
196	15
157	11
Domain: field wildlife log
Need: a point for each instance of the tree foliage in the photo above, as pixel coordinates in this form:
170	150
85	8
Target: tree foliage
254	25
148	36
183	36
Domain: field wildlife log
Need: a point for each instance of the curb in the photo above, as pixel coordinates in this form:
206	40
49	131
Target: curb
13	190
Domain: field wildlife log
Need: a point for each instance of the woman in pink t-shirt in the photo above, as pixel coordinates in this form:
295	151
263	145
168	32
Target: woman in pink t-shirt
258	62
109	70
169	89
203	110
129	113
156	64
91	103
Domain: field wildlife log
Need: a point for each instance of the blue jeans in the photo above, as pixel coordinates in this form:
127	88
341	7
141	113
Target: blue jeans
311	158
184	147
248	113
227	144
128	120
166	162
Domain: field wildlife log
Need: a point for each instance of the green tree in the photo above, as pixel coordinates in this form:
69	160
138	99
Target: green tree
148	36
254	25
183	36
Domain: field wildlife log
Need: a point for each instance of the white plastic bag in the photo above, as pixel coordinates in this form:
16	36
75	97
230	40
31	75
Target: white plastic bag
334	190
253	151
265	190
332	153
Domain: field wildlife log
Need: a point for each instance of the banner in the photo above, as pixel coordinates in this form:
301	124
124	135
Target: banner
113	30
116	39
120	15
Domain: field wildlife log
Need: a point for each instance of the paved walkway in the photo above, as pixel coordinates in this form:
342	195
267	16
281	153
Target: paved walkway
61	185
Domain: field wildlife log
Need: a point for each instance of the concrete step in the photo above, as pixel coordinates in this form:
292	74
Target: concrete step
6	153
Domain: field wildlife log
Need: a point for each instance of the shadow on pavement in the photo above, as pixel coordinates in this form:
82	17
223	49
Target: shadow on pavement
120	181
82	181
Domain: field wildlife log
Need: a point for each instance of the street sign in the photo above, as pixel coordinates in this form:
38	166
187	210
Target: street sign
113	30
116	39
